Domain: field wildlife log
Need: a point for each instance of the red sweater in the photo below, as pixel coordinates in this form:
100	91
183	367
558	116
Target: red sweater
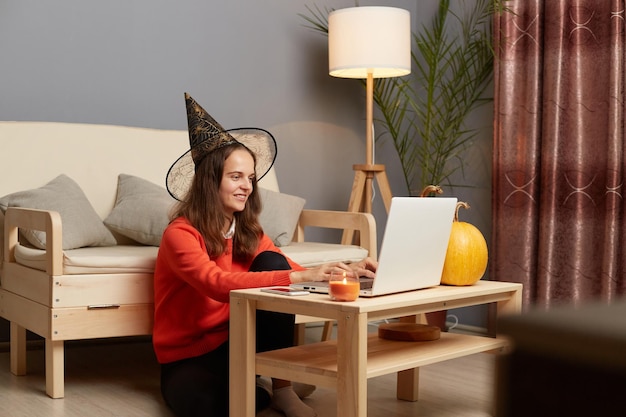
191	292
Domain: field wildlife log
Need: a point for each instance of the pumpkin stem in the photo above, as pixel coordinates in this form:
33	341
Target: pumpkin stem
458	206
431	189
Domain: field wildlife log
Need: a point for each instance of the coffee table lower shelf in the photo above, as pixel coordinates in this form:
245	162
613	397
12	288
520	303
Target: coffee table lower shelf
316	363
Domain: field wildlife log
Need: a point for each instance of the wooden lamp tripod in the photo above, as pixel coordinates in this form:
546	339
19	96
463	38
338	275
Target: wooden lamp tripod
364	174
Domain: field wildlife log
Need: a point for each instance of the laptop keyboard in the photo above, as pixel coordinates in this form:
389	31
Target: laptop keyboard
366	283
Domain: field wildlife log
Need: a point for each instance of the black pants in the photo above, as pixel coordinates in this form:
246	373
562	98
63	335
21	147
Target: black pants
199	386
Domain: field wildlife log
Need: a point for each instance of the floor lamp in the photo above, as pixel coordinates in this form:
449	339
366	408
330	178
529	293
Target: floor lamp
367	43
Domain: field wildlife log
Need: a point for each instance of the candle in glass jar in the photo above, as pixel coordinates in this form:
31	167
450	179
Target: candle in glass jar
345	288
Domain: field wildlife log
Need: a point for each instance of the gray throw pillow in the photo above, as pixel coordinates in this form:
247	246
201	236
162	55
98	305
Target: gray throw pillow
81	224
279	215
141	210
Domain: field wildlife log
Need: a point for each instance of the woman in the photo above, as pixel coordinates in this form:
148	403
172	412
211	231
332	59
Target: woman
213	245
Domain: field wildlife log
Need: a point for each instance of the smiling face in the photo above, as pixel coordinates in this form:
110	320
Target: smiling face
237	181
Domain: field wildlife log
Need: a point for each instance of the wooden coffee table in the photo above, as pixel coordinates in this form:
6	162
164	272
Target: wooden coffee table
347	362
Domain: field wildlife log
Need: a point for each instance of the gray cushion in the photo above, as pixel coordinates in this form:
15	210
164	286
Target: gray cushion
81	224
141	210
280	215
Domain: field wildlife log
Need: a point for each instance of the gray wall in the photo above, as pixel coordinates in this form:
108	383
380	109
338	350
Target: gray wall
247	62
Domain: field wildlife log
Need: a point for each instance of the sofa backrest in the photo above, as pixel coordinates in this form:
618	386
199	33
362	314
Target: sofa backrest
33	153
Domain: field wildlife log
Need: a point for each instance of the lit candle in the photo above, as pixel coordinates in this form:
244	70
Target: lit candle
344	288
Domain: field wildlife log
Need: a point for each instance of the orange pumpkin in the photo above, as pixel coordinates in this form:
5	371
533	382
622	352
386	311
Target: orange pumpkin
466	258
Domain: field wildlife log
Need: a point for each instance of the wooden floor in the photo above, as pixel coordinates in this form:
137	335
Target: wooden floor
122	380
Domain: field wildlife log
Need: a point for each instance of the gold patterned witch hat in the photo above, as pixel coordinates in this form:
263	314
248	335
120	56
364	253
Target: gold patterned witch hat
207	135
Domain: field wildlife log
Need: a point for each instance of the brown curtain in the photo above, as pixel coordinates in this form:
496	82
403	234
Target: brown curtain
558	163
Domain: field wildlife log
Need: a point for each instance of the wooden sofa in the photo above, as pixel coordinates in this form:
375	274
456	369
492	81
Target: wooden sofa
103	292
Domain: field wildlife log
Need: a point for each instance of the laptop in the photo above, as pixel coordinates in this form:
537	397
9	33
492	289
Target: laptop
413	248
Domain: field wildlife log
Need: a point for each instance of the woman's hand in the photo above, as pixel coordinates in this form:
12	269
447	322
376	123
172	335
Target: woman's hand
320	273
365	268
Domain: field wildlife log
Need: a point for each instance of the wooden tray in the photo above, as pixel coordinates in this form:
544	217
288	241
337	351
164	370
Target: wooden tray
412	332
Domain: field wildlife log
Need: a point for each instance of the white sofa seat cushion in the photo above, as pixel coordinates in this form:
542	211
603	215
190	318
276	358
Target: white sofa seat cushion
311	254
141	259
94	260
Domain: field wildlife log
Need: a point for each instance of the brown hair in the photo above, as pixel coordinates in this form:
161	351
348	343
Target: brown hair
203	208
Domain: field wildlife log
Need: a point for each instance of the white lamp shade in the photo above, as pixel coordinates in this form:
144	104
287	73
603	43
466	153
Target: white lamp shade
364	40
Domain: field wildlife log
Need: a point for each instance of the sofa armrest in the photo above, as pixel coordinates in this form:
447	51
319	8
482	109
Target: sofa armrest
364	223
33	219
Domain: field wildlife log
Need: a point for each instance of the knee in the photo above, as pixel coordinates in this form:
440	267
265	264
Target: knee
269	261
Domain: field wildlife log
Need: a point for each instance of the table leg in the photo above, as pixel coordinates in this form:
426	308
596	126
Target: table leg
352	365
407	385
242	343
512	305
